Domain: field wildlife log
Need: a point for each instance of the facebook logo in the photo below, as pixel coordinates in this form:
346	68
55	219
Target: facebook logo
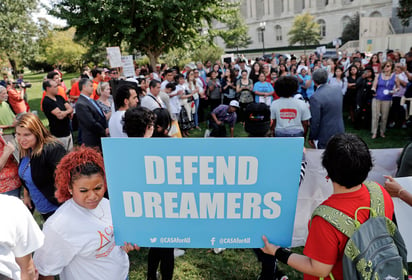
213	241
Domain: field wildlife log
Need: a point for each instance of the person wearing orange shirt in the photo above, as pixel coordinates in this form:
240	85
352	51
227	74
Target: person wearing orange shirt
98	77
16	99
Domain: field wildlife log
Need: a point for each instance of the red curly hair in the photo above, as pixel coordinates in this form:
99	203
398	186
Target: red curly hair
69	168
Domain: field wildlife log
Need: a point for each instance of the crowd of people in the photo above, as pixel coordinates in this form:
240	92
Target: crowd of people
275	97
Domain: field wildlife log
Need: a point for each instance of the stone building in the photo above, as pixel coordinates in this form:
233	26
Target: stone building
274	18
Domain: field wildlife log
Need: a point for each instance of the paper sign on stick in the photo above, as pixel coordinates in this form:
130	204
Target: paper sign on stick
114	56
128	66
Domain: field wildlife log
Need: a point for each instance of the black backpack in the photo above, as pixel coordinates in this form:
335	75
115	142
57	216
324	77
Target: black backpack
257	119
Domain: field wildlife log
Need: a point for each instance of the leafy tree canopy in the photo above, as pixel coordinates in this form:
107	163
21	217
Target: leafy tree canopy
18	31
150	26
405	12
236	35
304	30
351	30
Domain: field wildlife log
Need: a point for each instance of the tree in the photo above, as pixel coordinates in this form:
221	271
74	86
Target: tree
351	30
405	12
304	31
63	51
150	26
17	30
236	36
56	46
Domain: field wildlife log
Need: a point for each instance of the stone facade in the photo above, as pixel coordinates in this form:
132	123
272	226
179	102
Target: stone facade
278	15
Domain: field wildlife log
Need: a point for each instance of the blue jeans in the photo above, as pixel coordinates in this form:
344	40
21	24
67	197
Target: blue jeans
195	115
283	134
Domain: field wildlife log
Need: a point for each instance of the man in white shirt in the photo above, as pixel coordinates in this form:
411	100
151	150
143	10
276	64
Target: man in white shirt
152	101
169	78
126	97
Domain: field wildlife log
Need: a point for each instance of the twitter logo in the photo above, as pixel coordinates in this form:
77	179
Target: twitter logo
153	239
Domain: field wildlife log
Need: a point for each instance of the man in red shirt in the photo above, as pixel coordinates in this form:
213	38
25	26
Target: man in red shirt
98	77
348	161
16	99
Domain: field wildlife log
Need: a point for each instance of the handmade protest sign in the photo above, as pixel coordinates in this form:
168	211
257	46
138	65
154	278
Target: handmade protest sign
203	193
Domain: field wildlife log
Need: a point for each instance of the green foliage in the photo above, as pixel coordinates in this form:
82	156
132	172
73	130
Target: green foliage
57	47
304	31
183	56
150	26
351	30
17	30
236	36
63	51
405	12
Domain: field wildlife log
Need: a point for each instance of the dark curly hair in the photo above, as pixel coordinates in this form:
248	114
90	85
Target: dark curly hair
81	161
136	120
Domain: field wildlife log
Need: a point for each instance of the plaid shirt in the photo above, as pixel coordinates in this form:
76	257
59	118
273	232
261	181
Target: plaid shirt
222	114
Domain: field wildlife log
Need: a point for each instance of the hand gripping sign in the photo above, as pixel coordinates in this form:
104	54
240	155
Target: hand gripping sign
203	193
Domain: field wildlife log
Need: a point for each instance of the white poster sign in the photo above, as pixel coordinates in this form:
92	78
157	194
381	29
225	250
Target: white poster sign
128	66
114	56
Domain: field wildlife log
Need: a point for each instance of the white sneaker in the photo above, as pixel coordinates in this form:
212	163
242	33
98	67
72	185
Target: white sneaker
218	250
178	252
207	133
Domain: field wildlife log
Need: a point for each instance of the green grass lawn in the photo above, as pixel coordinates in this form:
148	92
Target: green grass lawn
239	264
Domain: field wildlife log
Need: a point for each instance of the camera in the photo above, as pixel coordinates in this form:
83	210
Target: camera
22	84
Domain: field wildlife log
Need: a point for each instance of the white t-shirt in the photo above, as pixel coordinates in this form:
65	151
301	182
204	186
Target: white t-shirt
116	124
19	235
151	102
80	244
289	114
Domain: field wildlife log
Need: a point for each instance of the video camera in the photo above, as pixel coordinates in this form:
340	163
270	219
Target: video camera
22	84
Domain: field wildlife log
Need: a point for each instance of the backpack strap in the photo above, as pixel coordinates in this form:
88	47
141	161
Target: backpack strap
336	218
377	200
343	222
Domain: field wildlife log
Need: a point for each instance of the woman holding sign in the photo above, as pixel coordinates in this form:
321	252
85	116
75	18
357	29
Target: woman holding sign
79	241
141	122
347	161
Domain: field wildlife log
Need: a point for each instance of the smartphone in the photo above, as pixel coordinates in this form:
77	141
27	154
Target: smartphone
403	61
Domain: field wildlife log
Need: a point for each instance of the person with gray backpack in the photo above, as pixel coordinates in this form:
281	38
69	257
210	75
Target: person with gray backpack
351	234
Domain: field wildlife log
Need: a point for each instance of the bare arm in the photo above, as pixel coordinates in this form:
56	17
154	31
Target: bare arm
28	271
300	262
305	125
396	190
272	126
7	151
375	84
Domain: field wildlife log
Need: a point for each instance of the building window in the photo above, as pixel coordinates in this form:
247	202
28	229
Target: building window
376	14
322	25
278	33
282	5
326	2
303	4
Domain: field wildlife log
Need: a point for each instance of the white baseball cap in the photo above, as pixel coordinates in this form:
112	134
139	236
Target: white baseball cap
234	103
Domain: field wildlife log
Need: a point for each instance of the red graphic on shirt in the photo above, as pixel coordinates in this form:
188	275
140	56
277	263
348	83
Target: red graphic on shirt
288	114
106	238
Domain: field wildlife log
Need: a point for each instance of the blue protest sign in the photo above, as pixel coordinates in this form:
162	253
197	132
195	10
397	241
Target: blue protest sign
203	193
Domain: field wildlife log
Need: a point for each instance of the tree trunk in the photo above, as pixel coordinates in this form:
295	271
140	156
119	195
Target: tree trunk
153	58
13	66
